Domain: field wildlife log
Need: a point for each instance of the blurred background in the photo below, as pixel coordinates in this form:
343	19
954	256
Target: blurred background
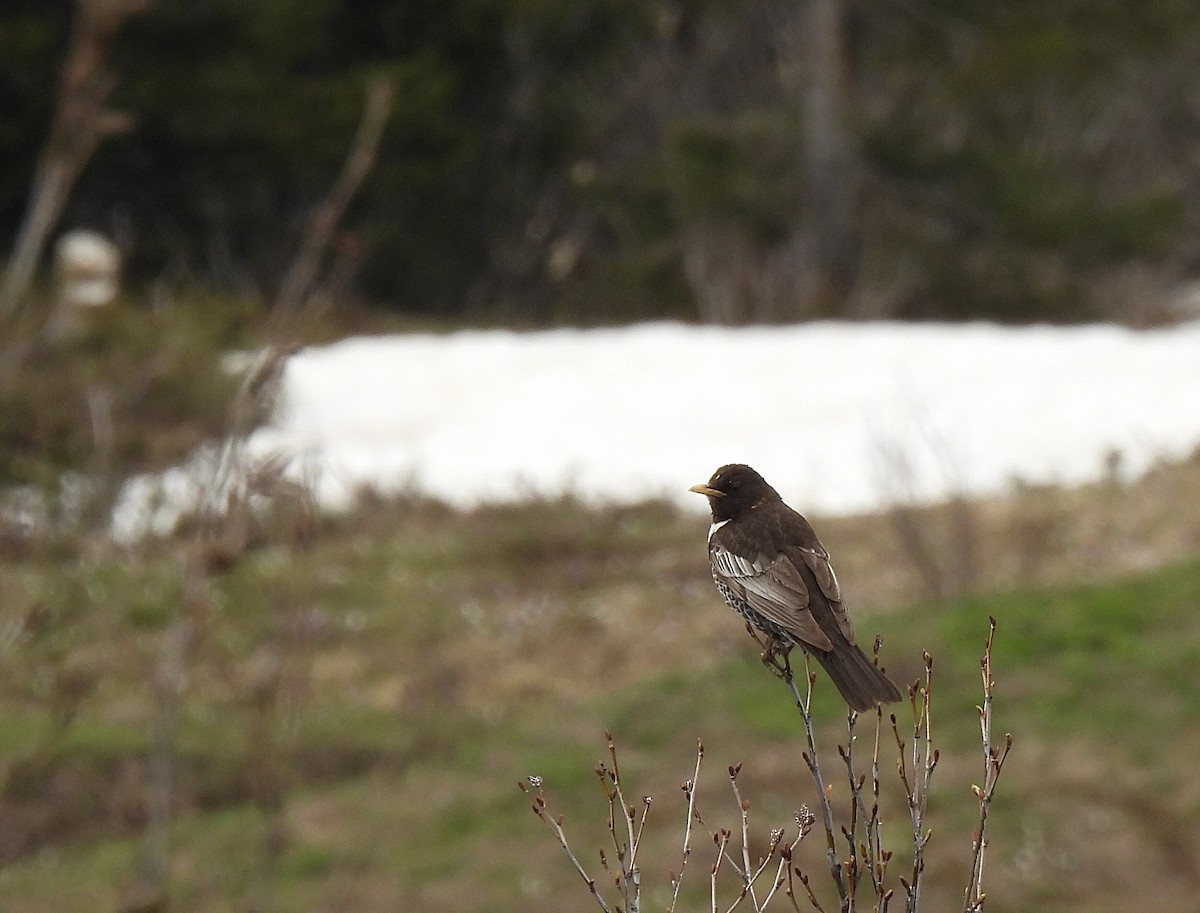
268	706
595	162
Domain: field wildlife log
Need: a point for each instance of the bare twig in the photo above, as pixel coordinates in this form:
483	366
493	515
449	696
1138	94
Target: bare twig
916	777
220	508
302	275
877	856
787	872
80	123
993	764
689	789
785	858
866	853
857	811
170	676
629	878
803	704
917	759
749	874
812	898
721	839
744	819
555	825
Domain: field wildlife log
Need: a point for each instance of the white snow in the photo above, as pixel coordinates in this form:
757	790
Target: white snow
838	417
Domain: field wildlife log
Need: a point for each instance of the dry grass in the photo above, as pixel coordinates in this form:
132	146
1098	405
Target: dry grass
408	663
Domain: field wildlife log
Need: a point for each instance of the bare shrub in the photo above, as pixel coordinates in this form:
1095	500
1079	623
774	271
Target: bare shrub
856	859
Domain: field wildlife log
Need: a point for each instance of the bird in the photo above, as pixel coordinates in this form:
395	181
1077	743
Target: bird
771	568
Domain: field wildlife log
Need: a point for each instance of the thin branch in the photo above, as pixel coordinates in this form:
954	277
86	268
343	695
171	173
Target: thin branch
776	839
744	818
876	855
857	811
918	778
993	764
555	825
716	838
751	875
625	838
785	856
867	854
301	276
917	758
803	704
812	898
630	878
80	124
689	789
722	841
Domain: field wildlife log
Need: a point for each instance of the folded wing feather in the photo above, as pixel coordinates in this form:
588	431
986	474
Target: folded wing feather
775	588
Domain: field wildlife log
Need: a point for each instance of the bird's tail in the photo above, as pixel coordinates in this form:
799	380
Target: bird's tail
860	681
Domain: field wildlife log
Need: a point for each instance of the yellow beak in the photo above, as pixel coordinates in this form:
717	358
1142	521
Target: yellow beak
706	491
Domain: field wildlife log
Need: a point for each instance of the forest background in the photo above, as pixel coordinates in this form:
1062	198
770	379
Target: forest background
610	160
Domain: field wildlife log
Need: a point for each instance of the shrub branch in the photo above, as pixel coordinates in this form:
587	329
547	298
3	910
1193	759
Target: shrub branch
993	763
857	861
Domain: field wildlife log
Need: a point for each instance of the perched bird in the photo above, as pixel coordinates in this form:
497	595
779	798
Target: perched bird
773	571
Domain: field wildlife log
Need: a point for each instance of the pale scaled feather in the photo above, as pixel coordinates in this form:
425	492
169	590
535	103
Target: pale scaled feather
774	589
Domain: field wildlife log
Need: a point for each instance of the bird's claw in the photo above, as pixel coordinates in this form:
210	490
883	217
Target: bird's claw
775	653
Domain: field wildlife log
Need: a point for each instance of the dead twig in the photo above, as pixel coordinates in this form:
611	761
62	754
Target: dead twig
81	122
916	776
301	278
804	704
993	764
555	825
689	790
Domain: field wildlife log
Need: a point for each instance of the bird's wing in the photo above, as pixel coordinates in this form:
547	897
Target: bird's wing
775	588
818	562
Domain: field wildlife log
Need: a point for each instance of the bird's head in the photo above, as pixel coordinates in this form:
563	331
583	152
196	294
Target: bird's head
733	490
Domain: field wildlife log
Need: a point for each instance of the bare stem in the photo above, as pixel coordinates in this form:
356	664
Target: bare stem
302	275
689	789
81	121
853	864
804	882
722	841
916	776
804	704
993	764
744	817
555	825
876	855
863	834
630	878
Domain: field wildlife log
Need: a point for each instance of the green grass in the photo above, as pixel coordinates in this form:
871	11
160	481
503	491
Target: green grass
1113	660
428	661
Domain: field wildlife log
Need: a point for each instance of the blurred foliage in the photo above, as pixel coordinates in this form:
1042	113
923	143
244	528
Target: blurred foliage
554	162
741	171
123	390
1039	144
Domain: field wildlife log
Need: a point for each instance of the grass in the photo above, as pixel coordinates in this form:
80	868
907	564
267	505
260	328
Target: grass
1112	660
401	669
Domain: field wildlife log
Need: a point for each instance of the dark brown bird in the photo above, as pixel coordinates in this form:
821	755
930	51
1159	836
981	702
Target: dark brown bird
774	572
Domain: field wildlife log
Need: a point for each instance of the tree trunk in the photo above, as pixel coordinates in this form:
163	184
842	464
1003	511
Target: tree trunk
830	152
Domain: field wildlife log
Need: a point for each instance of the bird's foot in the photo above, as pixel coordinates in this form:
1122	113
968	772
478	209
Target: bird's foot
775	656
